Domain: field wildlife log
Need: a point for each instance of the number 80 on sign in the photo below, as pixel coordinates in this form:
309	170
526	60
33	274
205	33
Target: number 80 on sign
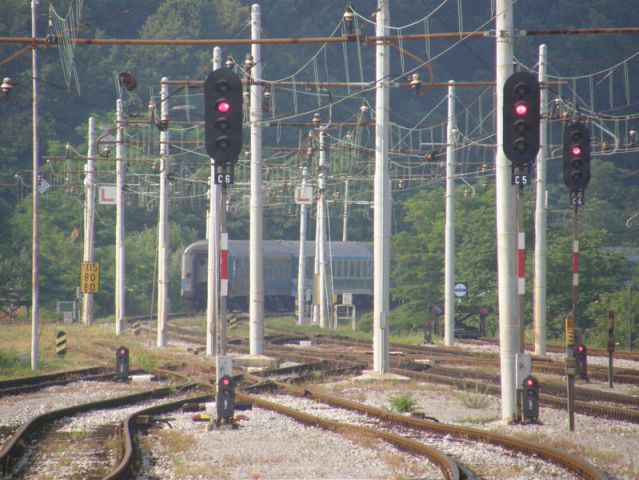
89	277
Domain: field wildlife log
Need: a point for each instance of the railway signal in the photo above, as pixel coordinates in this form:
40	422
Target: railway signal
581	361
225	399
576	156
223	116
521	116
530	403
122	363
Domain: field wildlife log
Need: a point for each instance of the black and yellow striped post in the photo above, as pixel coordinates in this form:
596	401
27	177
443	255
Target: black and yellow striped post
61	343
137	327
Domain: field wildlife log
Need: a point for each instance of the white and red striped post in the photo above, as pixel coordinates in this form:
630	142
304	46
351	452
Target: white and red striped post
521	269
575	263
224	264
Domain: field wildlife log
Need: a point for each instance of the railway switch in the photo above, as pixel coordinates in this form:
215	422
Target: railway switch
581	361
225	399
530	404
122	363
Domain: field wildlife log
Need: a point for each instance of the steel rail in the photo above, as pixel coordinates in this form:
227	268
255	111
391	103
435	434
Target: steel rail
565	460
48	378
126	466
13	448
446	465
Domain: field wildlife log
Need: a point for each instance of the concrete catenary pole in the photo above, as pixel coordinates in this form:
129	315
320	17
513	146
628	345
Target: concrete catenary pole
539	289
345	214
213	237
316	266
256	261
506	221
324	292
381	223
120	252
449	235
89	218
301	261
35	243
163	228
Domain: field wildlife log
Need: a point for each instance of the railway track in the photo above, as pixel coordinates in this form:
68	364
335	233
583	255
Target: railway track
29	384
79	441
609	405
563	459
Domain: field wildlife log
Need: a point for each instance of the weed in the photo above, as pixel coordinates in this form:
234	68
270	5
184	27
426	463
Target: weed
476	399
402	403
145	361
12	364
477	420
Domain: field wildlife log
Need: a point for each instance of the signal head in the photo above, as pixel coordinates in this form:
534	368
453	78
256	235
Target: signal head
521	117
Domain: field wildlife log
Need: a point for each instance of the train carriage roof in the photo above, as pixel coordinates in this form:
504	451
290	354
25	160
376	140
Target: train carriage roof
237	248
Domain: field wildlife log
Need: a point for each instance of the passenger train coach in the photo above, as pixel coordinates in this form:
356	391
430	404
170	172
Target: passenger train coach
351	266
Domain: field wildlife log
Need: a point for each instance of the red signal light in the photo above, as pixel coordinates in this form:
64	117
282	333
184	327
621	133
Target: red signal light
580	348
122	352
223	106
530	382
576	151
226	381
521	109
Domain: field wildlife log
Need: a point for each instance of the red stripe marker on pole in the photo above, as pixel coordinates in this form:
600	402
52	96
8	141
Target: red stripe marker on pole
521	271
224	264
575	263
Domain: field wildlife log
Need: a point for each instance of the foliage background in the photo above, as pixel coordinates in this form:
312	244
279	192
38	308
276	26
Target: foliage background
418	214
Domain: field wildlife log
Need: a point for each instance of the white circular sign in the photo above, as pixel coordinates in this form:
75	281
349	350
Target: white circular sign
461	290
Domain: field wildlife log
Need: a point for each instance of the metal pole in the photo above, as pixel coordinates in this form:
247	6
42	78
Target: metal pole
575	264
506	221
212	294
301	261
256	265
222	321
611	345
345	215
35	309
539	288
89	217
120	252
521	265
163	234
570	371
629	317
449	235
381	225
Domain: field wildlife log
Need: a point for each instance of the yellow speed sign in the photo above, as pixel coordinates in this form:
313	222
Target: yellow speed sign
89	277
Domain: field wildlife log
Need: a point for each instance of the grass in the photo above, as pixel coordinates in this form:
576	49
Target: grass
402	403
480	420
290	323
475	399
13	364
